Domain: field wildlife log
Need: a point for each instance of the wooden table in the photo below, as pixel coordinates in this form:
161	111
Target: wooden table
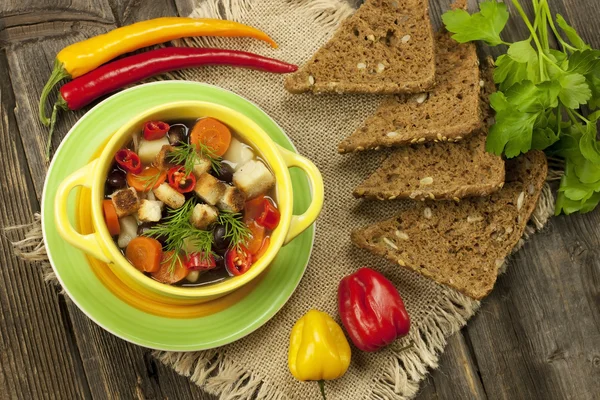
536	337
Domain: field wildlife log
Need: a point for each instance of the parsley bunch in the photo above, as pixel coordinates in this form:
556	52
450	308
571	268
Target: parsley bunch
540	93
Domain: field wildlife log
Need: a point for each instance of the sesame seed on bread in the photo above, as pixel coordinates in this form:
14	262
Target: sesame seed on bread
386	46
450	112
462	244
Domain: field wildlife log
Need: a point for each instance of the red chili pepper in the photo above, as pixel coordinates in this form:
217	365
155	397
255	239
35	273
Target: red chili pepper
238	261
125	71
198	262
269	217
154	130
371	310
129	160
179	181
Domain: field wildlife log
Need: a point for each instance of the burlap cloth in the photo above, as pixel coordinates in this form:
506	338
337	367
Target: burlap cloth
256	366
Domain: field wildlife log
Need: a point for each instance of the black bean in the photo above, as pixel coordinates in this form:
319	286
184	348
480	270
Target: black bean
116	179
220	242
225	173
178	134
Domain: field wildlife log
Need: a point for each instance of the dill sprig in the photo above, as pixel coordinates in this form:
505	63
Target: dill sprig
236	230
178	233
188	154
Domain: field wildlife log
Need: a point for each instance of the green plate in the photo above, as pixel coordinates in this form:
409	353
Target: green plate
109	311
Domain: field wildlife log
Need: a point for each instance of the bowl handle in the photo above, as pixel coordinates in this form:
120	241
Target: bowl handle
88	243
300	222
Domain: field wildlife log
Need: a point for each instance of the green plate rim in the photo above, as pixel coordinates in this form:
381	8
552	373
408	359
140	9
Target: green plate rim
268	312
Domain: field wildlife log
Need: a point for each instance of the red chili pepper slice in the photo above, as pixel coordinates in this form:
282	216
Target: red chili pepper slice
179	181
129	160
238	261
198	262
269	217
154	130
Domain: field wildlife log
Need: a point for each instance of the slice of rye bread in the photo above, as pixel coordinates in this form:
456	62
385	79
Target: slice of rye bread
440	171
386	46
449	112
462	244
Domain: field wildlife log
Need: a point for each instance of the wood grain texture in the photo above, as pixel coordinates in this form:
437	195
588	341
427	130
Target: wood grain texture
38	354
536	336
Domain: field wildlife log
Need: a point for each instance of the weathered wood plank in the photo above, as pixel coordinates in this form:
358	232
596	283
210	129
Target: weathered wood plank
28	12
114	368
38	354
130	11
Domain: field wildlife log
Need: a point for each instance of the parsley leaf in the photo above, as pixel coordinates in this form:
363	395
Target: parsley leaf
512	132
574	90
485	25
571	33
522	51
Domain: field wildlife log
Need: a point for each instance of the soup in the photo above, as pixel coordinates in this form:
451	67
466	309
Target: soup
189	203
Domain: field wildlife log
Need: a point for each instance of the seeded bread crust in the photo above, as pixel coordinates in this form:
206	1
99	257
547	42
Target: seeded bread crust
386	46
440	171
450	112
462	244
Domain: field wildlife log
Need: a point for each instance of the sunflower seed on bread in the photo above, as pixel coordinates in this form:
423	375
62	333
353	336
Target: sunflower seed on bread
450	112
439	171
458	244
386	46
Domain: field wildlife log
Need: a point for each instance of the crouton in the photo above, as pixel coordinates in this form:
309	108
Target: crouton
126	202
203	215
161	161
209	188
232	200
169	196
253	178
150	211
201	166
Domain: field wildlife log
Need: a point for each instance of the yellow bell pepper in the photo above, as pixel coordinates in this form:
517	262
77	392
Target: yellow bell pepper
318	349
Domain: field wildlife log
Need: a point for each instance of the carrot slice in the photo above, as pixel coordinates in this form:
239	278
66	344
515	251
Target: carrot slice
150	178
144	253
255	242
212	134
164	274
111	218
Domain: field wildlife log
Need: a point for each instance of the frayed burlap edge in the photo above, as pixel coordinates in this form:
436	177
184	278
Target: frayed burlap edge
221	376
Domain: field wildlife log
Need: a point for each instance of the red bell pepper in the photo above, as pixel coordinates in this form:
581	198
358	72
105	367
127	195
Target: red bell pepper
371	310
199	262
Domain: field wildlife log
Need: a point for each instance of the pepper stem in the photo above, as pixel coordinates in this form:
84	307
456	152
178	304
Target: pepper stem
58	74
322	388
60	104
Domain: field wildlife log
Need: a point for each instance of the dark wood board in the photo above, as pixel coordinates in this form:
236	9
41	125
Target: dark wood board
536	336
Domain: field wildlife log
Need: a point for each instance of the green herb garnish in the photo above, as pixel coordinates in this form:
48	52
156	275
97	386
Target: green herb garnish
177	232
540	92
188	155
235	229
149	180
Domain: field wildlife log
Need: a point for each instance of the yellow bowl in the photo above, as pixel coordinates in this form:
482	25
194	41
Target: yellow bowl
101	245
